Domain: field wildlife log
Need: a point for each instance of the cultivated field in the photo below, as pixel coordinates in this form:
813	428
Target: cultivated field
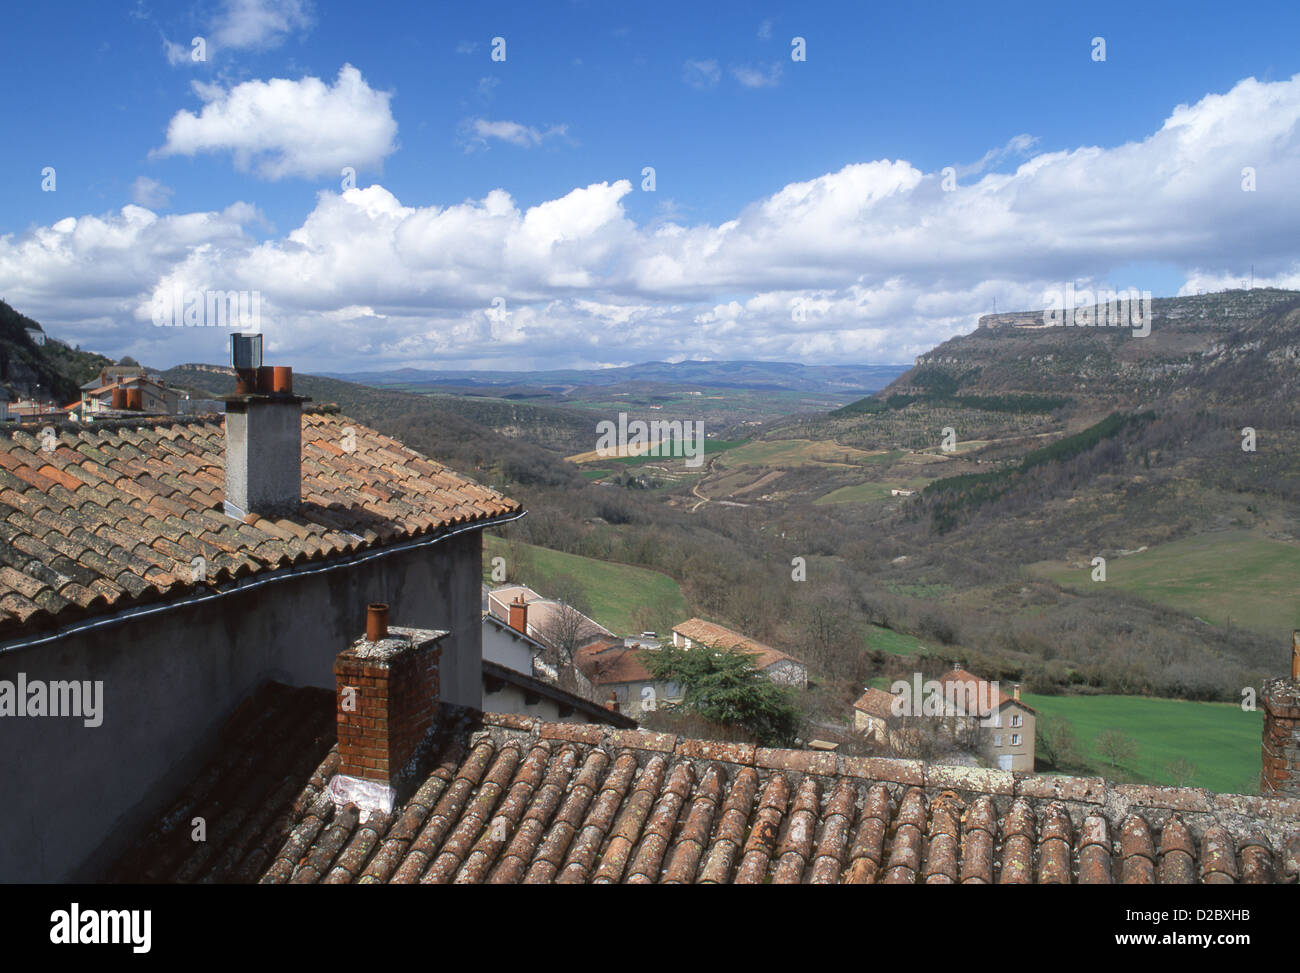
1239	578
793	453
1219	738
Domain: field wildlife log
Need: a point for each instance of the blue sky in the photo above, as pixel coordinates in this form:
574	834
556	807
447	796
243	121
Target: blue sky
489	226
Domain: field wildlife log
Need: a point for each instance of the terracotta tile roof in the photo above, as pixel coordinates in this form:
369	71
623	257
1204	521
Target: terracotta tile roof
876	702
115	513
513	800
543	612
92	389
606	663
982	689
718	637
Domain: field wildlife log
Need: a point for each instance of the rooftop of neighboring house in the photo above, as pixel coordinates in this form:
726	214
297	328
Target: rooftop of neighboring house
541	610
510	799
113	515
876	702
111	373
605	663
980	690
99	387
496	675
718	637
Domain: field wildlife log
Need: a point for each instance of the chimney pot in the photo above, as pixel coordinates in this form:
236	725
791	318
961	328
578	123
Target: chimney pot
119	397
135	400
265	379
519	615
376	621
263	435
611	704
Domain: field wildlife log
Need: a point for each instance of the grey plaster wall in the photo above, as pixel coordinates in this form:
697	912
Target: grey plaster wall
74	796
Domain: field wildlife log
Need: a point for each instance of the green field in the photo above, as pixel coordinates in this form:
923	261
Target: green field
613	592
895	643
1221	740
867	492
1227	577
793	453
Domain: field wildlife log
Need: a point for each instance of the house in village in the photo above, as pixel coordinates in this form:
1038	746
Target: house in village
119	388
157	570
618	671
559	626
874	717
522	675
998	727
781	668
1002	725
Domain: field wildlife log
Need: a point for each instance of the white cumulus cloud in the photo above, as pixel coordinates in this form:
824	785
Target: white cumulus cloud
280	128
872	262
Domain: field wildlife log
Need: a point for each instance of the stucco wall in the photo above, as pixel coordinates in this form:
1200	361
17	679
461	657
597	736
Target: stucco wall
73	793
506	649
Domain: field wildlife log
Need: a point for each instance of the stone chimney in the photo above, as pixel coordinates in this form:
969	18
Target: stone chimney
519	615
388	703
1015	690
263	435
1280	776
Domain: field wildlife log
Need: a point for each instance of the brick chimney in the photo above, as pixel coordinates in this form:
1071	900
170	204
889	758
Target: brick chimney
388	702
519	615
1280	776
263	434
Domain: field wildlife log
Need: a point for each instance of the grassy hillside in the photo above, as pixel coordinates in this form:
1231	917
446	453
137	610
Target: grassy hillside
1219	738
58	369
613	592
1235	577
864	492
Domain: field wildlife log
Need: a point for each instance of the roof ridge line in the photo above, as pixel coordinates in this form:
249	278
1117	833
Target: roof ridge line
904	770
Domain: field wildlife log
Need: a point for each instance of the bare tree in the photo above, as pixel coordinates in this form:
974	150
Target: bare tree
1116	746
1182	770
567	628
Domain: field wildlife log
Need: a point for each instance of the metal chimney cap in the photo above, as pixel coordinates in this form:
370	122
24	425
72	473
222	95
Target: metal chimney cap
245	351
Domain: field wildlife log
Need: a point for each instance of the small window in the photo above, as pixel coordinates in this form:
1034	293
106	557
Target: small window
1017	720
997	739
1015	739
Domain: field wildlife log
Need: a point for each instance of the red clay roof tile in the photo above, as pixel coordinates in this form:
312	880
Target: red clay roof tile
105	495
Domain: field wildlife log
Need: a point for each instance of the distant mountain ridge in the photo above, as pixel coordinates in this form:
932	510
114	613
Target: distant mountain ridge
773	376
1234	346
